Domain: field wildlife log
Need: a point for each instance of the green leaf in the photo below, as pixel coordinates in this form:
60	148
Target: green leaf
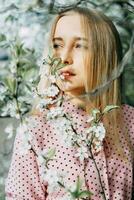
95	112
11	83
2	37
78	184
85	194
51	153
28	74
109	108
76	191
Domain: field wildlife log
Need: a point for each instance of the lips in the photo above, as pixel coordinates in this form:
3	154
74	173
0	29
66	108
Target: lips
67	75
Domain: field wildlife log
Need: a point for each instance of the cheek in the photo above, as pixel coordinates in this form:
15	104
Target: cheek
81	69
55	54
79	59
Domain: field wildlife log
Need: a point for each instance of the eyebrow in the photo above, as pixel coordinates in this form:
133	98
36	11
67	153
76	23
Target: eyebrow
75	38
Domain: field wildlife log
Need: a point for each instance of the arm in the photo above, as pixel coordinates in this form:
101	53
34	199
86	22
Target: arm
23	180
129	121
119	167
128	116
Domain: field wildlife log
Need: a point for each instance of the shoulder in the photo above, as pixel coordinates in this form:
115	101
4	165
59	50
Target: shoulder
128	120
35	121
127	109
128	113
38	126
38	131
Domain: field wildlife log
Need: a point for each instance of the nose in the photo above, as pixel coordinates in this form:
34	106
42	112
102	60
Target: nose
66	57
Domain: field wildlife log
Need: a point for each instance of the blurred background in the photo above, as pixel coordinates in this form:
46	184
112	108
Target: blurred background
24	29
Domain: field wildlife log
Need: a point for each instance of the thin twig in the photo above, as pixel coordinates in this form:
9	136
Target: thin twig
99	176
116	2
10	7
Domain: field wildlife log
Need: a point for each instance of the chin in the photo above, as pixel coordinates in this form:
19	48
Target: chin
71	88
65	86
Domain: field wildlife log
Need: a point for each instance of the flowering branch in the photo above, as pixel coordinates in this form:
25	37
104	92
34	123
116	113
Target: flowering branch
87	145
91	142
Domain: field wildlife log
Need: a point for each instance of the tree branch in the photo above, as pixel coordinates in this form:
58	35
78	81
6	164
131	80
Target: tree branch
116	2
11	7
51	6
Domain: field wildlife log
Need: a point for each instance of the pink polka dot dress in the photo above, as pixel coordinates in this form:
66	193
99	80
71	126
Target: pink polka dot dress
25	183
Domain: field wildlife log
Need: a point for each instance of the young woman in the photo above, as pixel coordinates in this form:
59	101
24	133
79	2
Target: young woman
81	150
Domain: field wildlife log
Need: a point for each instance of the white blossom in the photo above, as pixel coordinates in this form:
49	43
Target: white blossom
80	138
41	157
67	137
98	146
64	129
72	187
43	103
52	178
95	112
90	118
82	153
3	89
55	112
26	137
67	196
22	129
42	172
51	91
31	122
100	132
65	124
11	109
96	134
25	147
44	71
52	78
62	77
9	130
45	154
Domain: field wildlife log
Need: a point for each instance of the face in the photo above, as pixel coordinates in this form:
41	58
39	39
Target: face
70	45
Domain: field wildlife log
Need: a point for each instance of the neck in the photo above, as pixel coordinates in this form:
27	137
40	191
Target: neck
77	100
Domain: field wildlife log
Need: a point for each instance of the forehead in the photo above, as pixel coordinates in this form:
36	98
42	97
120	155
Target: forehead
69	26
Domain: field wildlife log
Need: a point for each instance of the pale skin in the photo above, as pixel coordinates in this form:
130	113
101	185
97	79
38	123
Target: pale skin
70	45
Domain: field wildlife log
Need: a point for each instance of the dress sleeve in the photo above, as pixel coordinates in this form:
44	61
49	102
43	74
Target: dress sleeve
120	167
128	113
23	181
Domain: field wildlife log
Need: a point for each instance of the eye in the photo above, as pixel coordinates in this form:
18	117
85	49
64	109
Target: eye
81	46
78	46
56	46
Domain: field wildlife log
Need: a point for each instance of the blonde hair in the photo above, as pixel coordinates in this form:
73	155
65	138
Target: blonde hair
104	55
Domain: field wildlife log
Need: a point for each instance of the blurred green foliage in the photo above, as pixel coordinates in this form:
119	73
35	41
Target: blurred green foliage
24	29
18	77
